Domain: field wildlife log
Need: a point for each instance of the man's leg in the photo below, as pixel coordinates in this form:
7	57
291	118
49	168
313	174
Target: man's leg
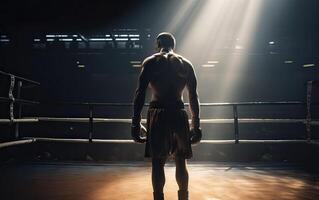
182	178
158	177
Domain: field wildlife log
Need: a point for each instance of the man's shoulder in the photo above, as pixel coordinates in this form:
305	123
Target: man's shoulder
185	60
149	60
152	60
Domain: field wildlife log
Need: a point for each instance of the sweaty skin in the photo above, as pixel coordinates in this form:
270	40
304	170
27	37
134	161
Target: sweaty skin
167	74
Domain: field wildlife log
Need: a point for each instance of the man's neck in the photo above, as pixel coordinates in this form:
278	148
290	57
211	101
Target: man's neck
165	50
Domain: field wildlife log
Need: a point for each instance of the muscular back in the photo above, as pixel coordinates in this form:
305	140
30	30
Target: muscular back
168	73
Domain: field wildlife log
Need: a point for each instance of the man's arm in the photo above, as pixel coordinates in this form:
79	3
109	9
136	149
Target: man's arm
193	97
139	98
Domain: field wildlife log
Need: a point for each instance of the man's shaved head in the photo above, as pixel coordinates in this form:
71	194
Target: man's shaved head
165	40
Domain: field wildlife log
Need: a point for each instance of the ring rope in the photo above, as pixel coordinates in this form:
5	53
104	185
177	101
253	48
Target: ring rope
126	141
17	142
119	120
28	140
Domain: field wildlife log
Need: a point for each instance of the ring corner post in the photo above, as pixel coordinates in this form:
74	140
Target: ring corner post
12	104
16	129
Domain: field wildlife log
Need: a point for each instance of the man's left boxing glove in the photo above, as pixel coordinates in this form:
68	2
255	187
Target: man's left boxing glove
195	135
138	133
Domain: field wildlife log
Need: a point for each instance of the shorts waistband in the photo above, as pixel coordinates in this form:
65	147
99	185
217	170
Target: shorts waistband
167	105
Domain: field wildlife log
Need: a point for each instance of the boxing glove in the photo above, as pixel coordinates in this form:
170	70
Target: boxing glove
138	133
195	135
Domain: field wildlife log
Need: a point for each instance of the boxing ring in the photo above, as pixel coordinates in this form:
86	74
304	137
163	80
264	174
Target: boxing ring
108	180
18	103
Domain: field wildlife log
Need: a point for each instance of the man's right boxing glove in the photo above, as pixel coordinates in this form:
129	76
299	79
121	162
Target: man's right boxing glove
195	131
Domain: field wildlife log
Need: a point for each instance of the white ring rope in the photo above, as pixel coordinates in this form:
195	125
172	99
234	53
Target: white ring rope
28	140
22	120
17	142
125	141
208	121
118	120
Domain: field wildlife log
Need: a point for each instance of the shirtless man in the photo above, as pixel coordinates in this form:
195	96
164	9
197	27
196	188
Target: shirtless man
168	131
